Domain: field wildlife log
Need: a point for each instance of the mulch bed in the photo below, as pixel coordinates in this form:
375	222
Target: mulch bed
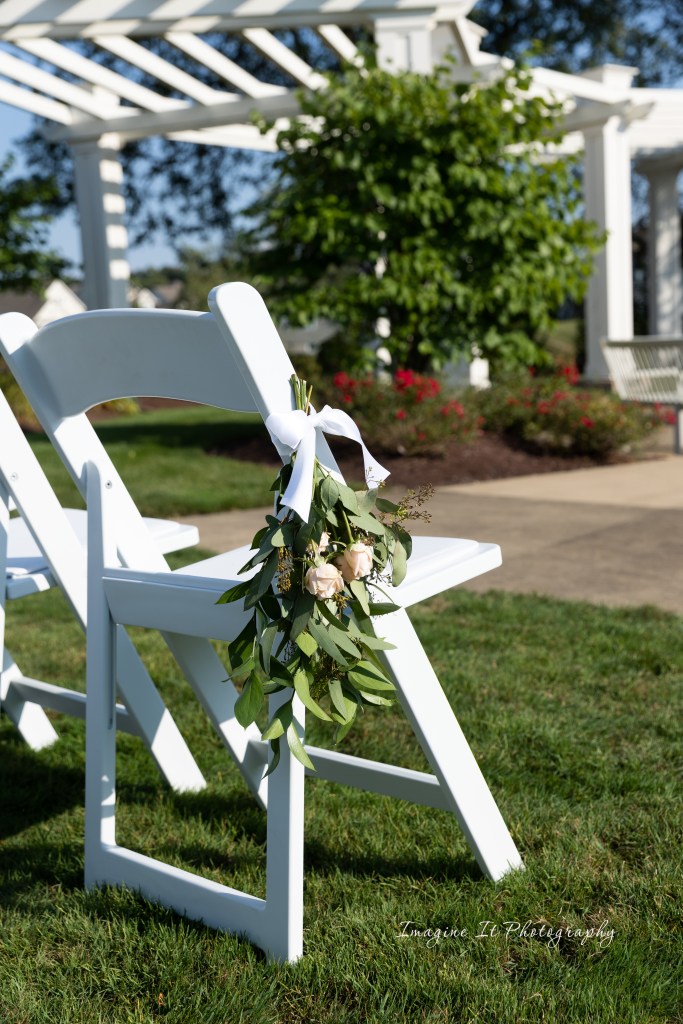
486	458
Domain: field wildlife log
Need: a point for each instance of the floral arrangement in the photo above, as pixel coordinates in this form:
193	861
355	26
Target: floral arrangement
323	560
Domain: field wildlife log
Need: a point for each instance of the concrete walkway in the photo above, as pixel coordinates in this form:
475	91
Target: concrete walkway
612	535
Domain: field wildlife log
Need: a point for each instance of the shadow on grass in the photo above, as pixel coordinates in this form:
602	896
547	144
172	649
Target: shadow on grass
325	860
32	790
176	432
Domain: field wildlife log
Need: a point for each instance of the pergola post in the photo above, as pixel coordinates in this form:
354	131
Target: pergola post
101	209
607	184
404	42
664	276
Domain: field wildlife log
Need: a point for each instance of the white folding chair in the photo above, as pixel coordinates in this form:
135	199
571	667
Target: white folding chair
233	359
43	547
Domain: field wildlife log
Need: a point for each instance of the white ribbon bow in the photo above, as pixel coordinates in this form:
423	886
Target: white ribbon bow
294	431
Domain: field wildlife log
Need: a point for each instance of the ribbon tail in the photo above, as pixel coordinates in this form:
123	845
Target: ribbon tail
299	493
374	472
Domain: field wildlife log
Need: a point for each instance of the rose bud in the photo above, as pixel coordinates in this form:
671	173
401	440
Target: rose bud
315	550
324	581
356	562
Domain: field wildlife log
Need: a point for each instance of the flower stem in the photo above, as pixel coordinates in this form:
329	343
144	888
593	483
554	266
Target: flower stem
348	526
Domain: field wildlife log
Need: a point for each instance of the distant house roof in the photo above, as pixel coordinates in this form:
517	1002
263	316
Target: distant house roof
56	301
27	303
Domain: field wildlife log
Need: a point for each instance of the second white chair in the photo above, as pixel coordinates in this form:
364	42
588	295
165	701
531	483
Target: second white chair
235	360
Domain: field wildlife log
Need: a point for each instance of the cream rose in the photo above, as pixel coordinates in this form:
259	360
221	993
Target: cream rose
324	581
315	550
356	562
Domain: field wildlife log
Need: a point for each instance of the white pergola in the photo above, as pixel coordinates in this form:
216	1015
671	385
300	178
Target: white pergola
97	110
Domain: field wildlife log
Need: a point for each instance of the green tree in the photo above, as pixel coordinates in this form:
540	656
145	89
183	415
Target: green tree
24	260
408	197
571	35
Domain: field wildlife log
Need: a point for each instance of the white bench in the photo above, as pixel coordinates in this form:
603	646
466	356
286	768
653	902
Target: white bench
649	369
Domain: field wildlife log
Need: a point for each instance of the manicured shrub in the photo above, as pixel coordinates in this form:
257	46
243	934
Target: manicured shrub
552	413
410	414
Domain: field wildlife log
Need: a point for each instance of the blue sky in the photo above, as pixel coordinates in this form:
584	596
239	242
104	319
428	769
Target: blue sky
64	233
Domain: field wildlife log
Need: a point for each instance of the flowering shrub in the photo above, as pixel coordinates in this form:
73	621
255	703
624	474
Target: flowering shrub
552	413
408	415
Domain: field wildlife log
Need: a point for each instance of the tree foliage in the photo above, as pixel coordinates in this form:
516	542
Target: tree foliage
570	35
24	260
407	197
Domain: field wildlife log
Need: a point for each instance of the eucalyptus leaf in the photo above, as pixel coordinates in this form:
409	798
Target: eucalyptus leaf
399	561
345	707
364	521
296	747
384	505
275	759
348	497
367	676
266	641
374	698
302	687
279	723
306	643
366	500
303	609
236	593
249	702
329	493
359	591
324	640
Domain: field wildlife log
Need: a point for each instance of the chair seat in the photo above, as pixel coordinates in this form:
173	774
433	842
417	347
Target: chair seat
436	564
27	568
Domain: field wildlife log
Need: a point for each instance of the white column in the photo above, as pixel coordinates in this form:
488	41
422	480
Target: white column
664	278
101	209
607	184
404	42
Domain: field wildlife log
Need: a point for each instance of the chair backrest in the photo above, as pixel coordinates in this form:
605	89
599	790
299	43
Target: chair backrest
24	484
232	360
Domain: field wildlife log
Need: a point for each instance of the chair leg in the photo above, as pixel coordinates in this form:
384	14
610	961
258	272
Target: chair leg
285	848
29	718
155	722
446	748
100	739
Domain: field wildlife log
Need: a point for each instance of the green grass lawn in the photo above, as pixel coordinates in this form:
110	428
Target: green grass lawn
574	712
165	460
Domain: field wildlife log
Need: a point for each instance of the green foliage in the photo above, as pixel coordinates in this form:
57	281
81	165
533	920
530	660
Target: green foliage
318	581
414	198
573	713
24	261
571	36
551	413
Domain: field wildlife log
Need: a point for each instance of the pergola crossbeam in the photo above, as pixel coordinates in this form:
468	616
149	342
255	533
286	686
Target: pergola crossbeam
141	125
221	65
20	19
28	74
162	70
339	43
271	47
35	103
90	71
237	137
